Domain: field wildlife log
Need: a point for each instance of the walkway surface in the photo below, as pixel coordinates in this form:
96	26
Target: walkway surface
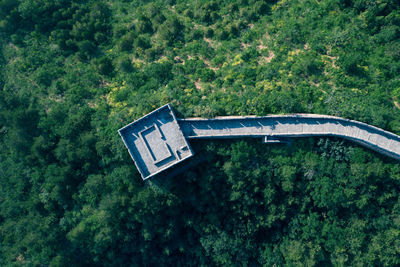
159	140
297	125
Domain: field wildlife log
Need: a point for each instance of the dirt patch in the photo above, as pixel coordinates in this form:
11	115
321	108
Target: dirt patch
271	55
317	85
206	61
330	60
179	60
267	59
211	43
261	46
208	64
397	105
244	45
13	46
198	85
104	83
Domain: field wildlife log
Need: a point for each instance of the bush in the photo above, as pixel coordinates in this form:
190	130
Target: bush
160	71
261	8
195	34
86	49
126	43
206	75
209	33
249	54
171	30
153	53
125	65
144	25
188	13
143	42
222	34
350	63
105	66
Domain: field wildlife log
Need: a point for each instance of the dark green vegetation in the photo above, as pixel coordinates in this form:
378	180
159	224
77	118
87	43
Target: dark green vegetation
73	72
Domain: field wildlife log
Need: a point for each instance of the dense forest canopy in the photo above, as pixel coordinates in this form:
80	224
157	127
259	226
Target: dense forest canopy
72	72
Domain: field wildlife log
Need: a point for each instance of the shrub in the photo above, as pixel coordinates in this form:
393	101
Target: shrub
86	49
143	42
105	66
209	33
126	43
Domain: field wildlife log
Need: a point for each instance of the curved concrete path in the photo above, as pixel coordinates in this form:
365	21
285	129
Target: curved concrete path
297	125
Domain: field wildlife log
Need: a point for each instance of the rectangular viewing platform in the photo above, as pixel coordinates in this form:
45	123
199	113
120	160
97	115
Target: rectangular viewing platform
155	142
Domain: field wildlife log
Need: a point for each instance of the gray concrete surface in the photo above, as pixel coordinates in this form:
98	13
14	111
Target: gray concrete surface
297	125
155	142
158	140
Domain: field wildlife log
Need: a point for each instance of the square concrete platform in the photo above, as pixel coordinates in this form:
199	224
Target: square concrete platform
155	142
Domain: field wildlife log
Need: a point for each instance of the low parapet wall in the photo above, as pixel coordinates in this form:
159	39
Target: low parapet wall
297	125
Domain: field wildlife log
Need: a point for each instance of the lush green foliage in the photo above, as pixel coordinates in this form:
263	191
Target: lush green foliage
73	72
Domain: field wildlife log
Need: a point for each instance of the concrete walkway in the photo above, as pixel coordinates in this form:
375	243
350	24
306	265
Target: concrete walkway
297	125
